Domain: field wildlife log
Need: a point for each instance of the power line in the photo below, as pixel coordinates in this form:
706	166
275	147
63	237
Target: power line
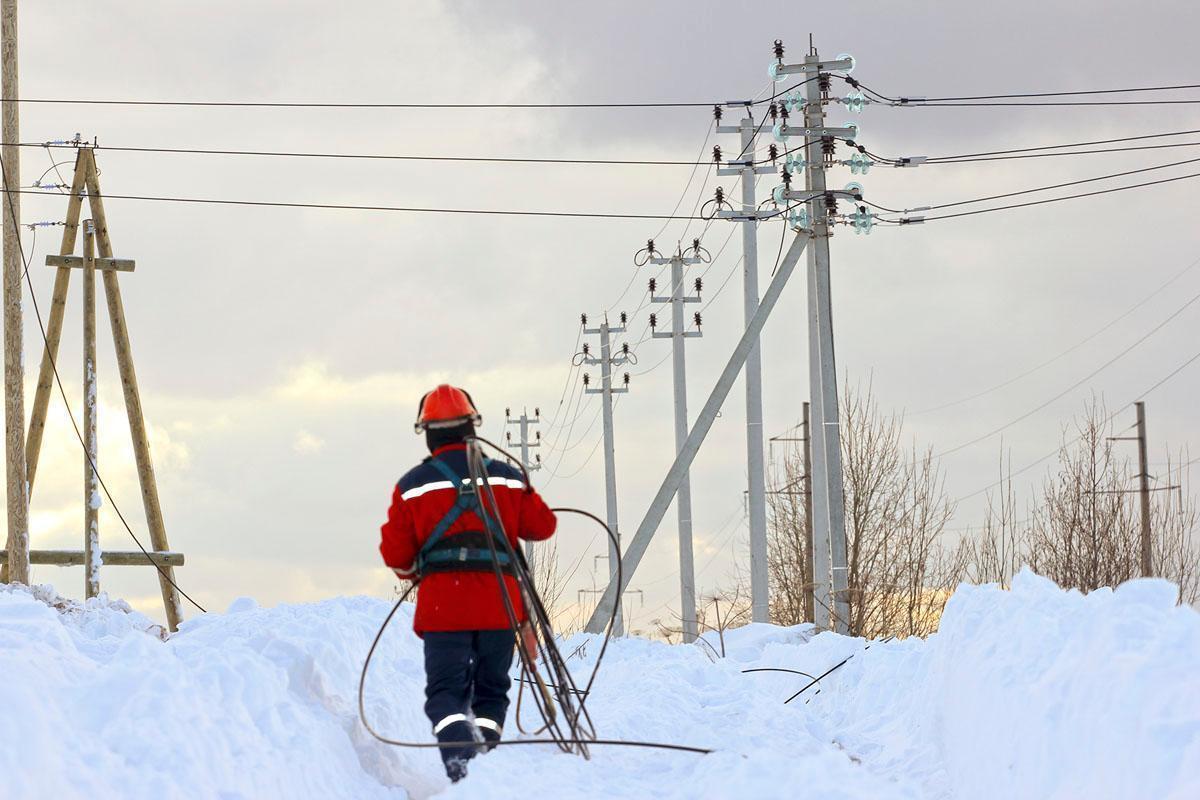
1078	383
904	221
953	102
553	105
410	106
1066	352
1119	140
405	209
374	156
1110	418
1050	187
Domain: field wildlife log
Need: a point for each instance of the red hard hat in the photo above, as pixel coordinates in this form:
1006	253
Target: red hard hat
445	407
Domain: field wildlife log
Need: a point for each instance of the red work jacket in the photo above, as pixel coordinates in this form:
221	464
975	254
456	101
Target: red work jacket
459	601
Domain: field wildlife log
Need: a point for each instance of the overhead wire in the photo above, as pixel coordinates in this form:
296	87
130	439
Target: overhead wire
1076	384
1158	384
1066	352
365	207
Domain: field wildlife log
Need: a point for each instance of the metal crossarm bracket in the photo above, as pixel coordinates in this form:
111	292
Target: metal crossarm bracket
820	66
817	133
763	170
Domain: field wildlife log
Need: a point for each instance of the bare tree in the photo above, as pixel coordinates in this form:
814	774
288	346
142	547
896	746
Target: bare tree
788	543
900	572
1083	528
547	578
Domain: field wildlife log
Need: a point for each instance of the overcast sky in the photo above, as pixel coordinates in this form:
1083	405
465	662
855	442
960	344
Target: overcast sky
281	352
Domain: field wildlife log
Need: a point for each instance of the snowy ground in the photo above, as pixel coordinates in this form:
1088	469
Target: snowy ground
1033	693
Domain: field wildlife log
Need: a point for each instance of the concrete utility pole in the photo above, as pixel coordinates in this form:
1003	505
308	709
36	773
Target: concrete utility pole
744	167
606	390
14	373
683	497
523	422
1144	488
833	607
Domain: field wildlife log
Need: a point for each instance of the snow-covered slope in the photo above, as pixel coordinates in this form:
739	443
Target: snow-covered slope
1033	693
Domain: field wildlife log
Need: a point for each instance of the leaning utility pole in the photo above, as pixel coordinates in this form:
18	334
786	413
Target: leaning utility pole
1144	488
744	167
523	422
606	390
14	374
833	608
683	496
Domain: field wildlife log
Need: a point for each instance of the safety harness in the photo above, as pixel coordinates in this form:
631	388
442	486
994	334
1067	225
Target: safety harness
462	551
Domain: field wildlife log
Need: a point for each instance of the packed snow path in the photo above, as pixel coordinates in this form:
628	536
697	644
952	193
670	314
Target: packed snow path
1033	693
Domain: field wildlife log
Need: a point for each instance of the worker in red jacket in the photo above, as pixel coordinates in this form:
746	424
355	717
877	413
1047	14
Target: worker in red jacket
433	535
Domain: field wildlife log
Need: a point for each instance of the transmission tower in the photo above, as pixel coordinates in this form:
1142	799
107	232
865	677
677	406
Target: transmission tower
607	361
745	167
523	423
678	334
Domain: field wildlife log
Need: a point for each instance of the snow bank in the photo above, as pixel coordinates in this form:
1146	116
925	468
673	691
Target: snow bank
1033	693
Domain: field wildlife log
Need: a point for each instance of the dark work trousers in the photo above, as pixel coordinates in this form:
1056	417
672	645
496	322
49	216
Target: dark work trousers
467	672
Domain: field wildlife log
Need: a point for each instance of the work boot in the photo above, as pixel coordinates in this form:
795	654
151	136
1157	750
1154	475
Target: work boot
490	731
455	759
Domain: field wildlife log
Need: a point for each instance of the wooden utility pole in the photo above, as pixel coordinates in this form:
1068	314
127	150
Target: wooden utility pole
810	606
86	183
91	477
1144	488
14	387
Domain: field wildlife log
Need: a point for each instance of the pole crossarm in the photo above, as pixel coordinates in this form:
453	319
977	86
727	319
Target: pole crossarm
704	421
77	262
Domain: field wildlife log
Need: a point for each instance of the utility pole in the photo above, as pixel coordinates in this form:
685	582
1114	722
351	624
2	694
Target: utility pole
606	361
829	535
809	570
683	497
1146	556
91	476
745	167
1144	488
14	373
523	422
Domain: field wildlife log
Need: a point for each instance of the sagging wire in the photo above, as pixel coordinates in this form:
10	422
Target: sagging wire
579	732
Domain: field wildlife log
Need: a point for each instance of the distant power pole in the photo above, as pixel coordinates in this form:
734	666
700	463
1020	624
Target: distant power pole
829	526
523	422
1147	550
745	167
683	496
607	361
14	374
1144	488
809	567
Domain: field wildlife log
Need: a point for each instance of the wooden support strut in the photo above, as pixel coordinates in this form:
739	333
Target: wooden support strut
54	324
133	402
119	558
